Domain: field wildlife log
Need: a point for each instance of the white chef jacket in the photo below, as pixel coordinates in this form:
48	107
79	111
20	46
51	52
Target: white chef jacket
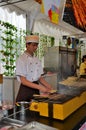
29	67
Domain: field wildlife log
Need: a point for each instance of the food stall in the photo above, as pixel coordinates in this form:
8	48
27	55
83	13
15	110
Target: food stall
64	108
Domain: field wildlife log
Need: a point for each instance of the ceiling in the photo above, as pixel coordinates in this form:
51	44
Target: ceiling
31	5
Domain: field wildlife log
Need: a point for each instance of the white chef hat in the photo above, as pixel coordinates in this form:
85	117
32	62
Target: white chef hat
32	38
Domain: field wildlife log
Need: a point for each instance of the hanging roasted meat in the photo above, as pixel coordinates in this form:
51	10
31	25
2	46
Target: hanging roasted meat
79	7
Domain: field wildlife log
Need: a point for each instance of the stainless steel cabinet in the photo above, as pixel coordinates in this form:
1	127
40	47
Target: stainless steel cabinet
67	62
61	60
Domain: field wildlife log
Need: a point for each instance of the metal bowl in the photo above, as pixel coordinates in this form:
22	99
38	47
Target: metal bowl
23	103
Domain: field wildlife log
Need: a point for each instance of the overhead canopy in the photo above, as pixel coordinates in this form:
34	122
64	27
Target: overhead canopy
32	10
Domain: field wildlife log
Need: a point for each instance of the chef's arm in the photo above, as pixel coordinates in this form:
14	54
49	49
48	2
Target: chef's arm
45	83
27	83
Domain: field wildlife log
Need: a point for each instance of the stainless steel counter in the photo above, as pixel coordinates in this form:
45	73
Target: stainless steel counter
69	123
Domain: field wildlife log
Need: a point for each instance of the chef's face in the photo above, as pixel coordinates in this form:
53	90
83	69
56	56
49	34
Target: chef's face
31	47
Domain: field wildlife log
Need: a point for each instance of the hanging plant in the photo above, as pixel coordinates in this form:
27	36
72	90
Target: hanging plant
10	47
44	41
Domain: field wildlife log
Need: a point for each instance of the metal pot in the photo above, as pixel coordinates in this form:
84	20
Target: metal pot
22	106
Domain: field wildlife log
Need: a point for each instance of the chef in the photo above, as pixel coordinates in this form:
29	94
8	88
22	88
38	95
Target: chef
29	71
83	67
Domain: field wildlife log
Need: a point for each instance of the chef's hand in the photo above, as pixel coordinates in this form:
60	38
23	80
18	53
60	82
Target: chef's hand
49	87
44	89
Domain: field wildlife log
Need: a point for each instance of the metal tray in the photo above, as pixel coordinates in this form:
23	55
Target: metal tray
12	122
8	127
34	125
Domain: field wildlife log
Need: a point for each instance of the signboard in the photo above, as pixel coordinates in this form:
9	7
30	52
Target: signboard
51	9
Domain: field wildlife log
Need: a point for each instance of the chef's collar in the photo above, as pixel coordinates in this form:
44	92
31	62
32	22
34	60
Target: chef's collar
28	54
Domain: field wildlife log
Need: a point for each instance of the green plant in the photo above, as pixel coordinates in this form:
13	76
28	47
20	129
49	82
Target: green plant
11	42
44	41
